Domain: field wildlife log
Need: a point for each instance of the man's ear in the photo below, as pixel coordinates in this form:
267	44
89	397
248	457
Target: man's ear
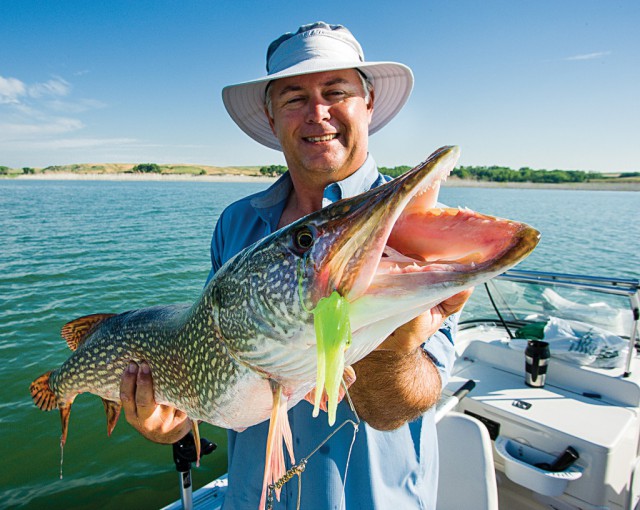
270	119
370	104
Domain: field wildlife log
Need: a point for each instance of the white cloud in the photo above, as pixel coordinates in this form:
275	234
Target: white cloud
10	90
40	113
46	127
589	56
76	143
77	106
54	87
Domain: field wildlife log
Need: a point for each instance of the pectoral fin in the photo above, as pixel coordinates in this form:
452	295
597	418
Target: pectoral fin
279	431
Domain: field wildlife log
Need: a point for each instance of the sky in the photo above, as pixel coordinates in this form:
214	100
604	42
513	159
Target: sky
546	84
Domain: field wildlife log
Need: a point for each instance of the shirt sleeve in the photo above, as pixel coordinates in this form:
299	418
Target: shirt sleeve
217	243
440	348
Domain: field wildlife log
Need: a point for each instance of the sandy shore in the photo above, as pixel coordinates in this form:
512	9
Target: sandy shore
592	186
452	182
69	176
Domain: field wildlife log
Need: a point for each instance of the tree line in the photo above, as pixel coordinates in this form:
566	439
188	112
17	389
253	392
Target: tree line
525	174
5	170
474	173
489	173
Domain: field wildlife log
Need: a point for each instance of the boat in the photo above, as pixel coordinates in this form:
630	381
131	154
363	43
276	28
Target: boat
523	439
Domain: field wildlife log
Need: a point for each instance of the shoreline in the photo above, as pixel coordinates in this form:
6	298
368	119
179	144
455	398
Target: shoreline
451	182
583	186
69	176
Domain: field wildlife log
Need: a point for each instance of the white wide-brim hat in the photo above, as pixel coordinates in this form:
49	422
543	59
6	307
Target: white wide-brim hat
316	48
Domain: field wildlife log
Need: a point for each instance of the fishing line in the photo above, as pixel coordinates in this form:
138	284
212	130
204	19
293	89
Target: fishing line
298	468
504	324
356	427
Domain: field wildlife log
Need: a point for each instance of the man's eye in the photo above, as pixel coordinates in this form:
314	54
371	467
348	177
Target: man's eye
293	100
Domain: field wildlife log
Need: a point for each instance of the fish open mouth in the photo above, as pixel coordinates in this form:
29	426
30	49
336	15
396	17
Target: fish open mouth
394	238
448	239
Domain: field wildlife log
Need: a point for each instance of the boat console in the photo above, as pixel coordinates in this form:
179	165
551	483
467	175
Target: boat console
571	444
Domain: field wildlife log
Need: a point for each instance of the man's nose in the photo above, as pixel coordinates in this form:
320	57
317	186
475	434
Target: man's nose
318	110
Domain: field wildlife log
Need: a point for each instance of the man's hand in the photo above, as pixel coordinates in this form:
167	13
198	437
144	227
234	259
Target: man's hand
159	423
408	337
398	382
348	376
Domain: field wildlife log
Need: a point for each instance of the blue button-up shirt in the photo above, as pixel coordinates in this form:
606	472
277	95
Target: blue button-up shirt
396	469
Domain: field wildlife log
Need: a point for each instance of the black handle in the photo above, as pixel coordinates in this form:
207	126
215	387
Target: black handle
184	451
463	390
566	459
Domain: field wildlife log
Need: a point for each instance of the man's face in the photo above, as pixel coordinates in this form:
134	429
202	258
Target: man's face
322	122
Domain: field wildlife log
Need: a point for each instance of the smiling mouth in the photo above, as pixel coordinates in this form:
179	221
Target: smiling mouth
323	138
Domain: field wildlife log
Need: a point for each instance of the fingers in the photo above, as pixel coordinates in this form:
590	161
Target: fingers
144	401
166	425
311	398
128	393
136	391
455	303
348	376
159	423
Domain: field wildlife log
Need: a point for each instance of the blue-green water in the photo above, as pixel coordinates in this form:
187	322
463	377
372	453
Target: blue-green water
73	248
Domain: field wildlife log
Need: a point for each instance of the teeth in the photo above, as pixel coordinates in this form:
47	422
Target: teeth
325	138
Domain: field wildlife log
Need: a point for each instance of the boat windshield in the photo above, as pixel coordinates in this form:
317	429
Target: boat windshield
523	297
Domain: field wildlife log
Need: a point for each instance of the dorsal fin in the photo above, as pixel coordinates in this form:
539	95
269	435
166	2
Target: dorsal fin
76	331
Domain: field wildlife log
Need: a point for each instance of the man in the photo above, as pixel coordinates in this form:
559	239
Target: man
318	104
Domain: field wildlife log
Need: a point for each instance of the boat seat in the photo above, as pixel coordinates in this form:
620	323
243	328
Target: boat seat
467	478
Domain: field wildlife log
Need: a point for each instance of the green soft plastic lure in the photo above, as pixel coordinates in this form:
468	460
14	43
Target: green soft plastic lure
333	337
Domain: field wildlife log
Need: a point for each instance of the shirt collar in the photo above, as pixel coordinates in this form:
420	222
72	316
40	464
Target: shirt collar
270	203
359	181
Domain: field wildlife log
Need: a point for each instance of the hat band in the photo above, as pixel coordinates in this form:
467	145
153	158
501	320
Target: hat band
300	49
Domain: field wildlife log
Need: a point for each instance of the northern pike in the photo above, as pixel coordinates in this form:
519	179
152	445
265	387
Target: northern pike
248	348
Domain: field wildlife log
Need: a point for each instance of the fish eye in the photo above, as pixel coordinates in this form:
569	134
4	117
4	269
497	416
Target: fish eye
303	239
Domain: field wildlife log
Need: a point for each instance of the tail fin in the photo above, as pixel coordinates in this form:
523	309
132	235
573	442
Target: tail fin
45	398
42	394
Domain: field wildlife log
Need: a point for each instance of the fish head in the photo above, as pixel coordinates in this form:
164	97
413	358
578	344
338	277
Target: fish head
391	253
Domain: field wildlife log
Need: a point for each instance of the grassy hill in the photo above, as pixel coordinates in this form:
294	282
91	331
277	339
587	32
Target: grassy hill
123	168
610	181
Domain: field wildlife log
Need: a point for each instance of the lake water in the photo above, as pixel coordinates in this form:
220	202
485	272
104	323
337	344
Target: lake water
70	248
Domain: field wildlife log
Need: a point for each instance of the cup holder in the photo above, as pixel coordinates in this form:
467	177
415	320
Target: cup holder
520	467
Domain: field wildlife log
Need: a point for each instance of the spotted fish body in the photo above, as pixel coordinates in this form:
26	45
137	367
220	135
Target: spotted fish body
246	350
